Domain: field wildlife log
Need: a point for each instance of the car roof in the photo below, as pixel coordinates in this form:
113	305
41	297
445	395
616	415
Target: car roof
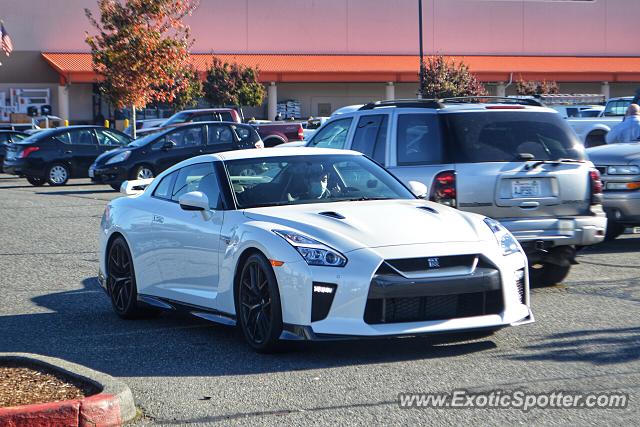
253	153
206	110
453	108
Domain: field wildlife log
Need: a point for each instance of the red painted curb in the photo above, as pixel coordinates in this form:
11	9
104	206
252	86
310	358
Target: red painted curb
100	410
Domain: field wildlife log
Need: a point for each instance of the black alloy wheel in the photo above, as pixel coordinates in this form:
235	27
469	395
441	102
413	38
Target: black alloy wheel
35	181
121	281
259	311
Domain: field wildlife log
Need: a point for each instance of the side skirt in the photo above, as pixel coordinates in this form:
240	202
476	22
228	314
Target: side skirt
183	308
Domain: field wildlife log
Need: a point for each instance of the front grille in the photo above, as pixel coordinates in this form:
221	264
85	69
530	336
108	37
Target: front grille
412	265
438	307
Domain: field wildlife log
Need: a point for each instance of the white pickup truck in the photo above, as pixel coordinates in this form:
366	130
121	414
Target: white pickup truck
592	131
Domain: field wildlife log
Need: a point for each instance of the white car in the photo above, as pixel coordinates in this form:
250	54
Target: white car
307	244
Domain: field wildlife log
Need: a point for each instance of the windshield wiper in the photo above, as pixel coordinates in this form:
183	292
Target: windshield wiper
364	198
556	162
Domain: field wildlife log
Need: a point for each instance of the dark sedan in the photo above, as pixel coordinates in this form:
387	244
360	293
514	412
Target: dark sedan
8	137
55	155
146	157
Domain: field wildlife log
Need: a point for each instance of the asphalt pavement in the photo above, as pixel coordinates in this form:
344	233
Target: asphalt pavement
181	370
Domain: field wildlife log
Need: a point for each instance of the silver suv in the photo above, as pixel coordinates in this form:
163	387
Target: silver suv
510	159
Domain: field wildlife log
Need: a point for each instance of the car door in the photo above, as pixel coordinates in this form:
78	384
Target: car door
110	140
178	145
80	149
219	138
187	243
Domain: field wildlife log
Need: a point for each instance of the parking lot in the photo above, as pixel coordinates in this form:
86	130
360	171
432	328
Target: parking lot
585	339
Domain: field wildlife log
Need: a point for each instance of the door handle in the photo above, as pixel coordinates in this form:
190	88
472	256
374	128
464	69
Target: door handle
68	151
529	205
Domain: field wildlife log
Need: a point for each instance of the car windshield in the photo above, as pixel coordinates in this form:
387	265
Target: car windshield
144	140
474	137
176	119
291	180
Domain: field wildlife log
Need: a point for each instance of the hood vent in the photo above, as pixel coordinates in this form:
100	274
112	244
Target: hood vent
332	214
428	209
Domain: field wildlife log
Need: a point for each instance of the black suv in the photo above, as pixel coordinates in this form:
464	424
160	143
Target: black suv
7	137
55	155
146	157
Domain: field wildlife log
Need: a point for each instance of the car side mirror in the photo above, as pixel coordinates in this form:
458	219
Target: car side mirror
194	201
418	189
168	145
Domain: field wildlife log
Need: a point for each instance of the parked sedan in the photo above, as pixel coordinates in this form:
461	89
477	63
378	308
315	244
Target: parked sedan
55	155
148	156
312	244
8	137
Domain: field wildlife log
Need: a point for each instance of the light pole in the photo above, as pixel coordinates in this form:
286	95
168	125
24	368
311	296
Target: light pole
422	71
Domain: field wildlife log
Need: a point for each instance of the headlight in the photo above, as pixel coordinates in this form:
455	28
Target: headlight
505	239
313	252
623	170
119	158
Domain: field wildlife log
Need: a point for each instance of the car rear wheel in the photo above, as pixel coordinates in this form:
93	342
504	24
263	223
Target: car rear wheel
258	303
58	174
547	274
35	181
595	139
121	282
143	172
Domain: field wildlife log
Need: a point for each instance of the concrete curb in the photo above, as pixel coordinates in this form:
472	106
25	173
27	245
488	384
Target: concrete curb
113	406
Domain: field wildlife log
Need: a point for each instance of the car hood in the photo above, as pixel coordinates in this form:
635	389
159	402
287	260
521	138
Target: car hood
615	154
348	226
102	158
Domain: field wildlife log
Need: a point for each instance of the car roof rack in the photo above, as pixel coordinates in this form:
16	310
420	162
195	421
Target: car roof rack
480	99
404	103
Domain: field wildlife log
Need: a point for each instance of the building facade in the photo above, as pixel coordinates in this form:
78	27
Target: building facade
324	54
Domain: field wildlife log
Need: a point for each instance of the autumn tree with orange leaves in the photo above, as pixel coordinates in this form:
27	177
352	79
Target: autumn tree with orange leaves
141	50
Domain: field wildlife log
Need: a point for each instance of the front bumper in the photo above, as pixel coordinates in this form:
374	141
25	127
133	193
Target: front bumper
107	174
622	206
352	314
571	231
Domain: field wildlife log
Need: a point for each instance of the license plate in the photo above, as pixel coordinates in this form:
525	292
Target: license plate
92	173
525	188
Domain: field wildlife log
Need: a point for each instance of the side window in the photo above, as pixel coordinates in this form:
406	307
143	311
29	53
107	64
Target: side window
220	135
246	133
200	177
82	137
418	139
4	137
107	137
209	117
371	136
332	135
63	137
164	189
187	137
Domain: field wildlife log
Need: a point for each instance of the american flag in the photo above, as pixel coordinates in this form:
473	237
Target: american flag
7	44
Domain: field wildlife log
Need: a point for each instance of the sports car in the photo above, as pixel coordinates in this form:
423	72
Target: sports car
301	244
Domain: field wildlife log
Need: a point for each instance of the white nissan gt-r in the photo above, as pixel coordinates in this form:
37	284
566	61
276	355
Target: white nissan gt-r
298	244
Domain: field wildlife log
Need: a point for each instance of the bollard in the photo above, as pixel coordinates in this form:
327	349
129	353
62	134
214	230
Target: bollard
66	122
126	123
106	123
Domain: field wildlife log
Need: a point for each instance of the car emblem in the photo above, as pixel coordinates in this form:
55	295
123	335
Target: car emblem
433	262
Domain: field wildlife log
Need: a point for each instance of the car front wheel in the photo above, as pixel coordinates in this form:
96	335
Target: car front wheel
143	172
258	304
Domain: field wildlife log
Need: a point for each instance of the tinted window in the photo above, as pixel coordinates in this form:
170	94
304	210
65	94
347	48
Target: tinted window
220	135
209	117
616	108
191	136
332	135
505	136
418	139
371	136
82	137
107	137
200	177
164	189
63	137
246	134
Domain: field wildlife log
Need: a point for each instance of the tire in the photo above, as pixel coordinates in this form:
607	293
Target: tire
258	304
57	174
547	274
121	282
614	230
116	187
35	181
142	172
595	139
272	142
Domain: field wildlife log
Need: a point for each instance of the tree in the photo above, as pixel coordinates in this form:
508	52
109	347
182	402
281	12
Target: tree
536	88
233	84
189	95
448	78
141	50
